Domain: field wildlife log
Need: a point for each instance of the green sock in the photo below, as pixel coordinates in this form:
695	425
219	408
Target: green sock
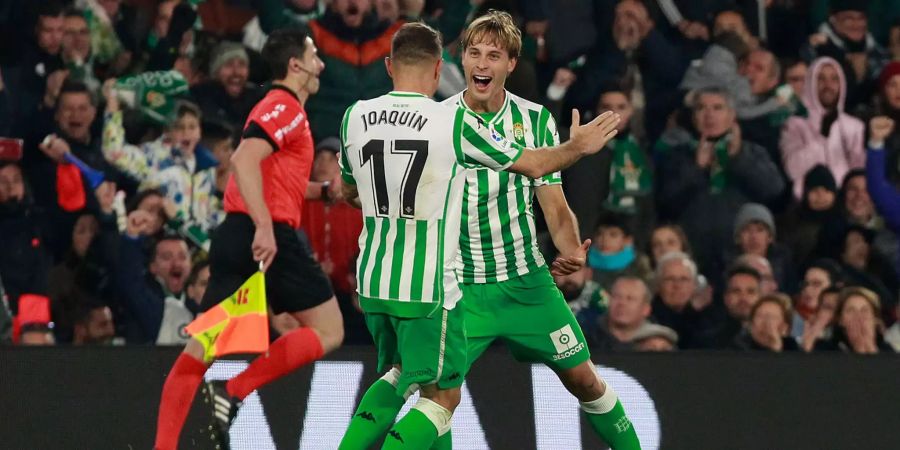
374	415
614	428
443	442
413	431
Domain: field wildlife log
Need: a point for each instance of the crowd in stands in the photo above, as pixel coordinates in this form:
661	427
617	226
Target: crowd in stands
750	201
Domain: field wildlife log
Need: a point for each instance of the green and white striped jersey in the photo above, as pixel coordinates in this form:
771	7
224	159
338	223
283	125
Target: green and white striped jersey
408	156
498	236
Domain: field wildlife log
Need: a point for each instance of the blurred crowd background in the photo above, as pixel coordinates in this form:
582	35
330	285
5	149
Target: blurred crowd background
750	200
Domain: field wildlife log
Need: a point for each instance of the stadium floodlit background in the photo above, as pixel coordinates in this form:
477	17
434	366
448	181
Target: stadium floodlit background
758	144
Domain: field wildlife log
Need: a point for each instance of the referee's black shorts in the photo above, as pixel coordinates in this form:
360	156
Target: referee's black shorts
294	281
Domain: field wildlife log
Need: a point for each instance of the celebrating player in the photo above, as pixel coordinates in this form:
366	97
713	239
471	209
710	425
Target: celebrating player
404	161
263	200
509	292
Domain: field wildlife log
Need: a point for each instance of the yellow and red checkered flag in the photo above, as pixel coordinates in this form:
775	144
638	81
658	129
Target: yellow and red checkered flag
239	324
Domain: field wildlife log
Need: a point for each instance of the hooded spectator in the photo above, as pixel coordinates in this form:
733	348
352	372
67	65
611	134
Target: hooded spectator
827	135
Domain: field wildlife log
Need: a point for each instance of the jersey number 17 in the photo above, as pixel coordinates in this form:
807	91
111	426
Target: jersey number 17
374	151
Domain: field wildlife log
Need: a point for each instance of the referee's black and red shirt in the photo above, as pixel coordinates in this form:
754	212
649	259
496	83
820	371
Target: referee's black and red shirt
280	119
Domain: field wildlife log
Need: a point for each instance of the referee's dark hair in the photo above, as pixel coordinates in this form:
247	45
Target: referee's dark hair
415	43
282	45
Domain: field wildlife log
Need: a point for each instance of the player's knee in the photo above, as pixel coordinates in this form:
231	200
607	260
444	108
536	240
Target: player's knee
583	382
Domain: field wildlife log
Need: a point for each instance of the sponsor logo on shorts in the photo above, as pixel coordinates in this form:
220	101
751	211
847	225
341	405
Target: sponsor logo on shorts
453	376
419	373
365	415
566	343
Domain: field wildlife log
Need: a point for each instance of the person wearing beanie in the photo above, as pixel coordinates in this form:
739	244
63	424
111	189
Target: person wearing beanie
845	37
227	96
754	234
802	224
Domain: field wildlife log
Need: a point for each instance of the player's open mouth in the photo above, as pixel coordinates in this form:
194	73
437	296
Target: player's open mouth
481	81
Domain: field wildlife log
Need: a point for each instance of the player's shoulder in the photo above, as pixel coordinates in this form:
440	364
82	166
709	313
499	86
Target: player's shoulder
453	100
523	103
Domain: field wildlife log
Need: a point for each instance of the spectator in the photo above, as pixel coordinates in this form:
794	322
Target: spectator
37	78
768	284
763	71
729	20
153	294
827	135
332	225
184	171
820	326
94	325
742	292
858	209
76	49
170	36
768	326
678	303
621	178
802	225
665	238
631	172
582	293
629	307
65	189
705	176
352	43
25	258
196	282
655	338
613	253
754	233
62	278
633	55
219	139
863	267
795	77
775	23
884	194
819	275
719	68
227	97
887	104
845	38
858	327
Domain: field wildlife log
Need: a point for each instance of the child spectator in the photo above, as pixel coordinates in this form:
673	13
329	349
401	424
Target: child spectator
613	253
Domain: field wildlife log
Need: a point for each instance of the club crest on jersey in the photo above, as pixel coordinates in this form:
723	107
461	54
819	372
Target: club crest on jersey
519	131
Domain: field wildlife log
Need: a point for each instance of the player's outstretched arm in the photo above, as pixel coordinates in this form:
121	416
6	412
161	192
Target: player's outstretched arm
584	140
